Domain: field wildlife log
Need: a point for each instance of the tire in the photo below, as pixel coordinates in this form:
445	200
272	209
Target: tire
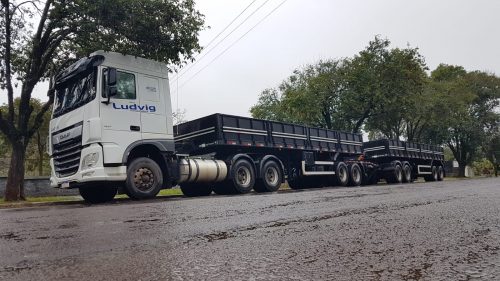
271	178
144	178
440	173
242	177
407	175
196	189
223	188
433	175
355	175
396	176
296	184
98	194
342	174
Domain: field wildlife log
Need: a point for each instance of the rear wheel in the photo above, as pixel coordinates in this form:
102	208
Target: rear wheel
196	189
144	178
242	178
396	176
355	175
98	194
297	183
407	176
440	173
342	174
271	178
433	176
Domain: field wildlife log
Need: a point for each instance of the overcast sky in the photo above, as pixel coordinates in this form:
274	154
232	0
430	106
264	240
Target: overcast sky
299	32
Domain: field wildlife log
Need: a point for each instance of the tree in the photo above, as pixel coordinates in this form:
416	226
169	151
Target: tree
377	87
467	115
383	84
162	30
37	146
492	151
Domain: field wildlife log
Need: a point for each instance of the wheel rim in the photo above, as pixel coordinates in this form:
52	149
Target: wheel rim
408	172
272	176
399	174
144	179
343	174
243	176
356	176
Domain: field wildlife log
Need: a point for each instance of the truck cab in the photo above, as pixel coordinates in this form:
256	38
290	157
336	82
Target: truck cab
109	107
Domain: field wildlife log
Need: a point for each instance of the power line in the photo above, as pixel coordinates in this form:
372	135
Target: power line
222	40
225	28
229	47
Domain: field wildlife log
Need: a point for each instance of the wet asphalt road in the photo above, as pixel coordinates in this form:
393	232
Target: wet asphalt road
422	231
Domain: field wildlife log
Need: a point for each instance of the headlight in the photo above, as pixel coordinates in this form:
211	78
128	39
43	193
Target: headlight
90	160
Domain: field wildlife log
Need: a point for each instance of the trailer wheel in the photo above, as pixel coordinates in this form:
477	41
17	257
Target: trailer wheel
198	189
144	178
223	188
396	176
355	175
98	194
440	173
271	178
434	173
242	178
342	174
407	176
297	183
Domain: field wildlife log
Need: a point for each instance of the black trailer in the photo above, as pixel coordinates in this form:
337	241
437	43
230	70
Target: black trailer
401	161
260	154
274	151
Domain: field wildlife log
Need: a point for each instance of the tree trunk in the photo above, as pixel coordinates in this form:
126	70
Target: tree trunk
14	190
461	169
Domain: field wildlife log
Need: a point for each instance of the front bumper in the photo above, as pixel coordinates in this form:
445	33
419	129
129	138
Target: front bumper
97	173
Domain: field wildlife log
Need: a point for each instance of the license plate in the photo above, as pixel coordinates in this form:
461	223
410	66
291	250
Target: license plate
65	185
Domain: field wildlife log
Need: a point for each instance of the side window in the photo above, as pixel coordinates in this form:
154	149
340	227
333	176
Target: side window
125	85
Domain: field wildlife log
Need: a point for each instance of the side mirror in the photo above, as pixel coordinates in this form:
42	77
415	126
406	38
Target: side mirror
111	77
111	84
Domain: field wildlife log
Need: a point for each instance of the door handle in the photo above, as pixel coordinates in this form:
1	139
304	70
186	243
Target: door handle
135	128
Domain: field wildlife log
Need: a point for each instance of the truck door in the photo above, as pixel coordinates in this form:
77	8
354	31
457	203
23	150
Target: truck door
121	121
153	113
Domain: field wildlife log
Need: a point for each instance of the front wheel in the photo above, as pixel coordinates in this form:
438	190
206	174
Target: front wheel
98	194
144	178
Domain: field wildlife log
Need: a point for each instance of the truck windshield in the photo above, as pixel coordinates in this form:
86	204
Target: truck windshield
75	93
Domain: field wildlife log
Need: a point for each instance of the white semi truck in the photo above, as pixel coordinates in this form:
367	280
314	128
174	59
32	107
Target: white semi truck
111	129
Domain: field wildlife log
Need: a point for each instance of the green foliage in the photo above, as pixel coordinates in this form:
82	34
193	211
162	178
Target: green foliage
37	160
376	88
483	167
467	117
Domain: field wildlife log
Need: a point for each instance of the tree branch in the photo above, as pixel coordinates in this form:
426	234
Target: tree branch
39	116
43	18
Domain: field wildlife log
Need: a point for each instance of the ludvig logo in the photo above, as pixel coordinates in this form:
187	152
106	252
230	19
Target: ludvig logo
135	107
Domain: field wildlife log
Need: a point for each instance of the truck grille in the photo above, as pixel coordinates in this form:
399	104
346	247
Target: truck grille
67	156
